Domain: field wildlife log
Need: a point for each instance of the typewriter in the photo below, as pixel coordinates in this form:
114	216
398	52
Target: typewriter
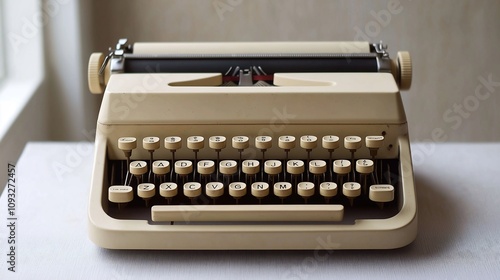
251	146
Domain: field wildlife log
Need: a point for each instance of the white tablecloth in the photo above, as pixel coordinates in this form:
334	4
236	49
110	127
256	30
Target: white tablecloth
459	227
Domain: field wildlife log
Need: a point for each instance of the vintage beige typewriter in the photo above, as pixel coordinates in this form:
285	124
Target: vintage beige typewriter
266	146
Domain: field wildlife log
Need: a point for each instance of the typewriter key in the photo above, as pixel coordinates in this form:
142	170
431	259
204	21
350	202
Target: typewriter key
308	142
192	190
318	169
330	143
120	195
127	144
364	167
160	169
168	191
195	143
240	143
250	167
146	191
138	168
282	190
328	190
214	190
305	189
286	143
237	190
381	194
351	190
172	143
341	167
260	190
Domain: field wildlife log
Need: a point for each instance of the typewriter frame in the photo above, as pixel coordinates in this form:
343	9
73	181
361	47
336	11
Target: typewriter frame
393	232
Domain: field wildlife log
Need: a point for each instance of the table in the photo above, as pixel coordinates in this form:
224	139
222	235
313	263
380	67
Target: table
459	227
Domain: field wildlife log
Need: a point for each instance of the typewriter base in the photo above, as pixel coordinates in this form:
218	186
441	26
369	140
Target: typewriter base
397	231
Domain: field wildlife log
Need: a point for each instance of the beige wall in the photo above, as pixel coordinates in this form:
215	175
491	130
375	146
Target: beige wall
454	45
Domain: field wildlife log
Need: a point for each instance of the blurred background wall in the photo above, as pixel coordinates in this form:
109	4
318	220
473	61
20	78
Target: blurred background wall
453	43
47	43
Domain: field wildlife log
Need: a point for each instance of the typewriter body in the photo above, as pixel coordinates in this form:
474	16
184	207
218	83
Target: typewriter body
251	146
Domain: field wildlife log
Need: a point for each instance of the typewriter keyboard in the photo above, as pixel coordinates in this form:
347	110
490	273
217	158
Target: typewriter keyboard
261	189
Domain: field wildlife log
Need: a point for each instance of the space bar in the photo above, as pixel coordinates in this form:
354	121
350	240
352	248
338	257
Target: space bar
248	213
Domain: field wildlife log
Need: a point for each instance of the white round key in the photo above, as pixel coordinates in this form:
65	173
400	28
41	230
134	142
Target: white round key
286	142
214	189
127	143
272	167
308	142
351	189
328	189
161	167
183	167
168	190
250	166
341	166
263	142
241	142
364	166
206	167
138	167
146	190
381	193
295	167
260	189
352	142
282	189
151	143
237	189
217	142
192	189
228	167
374	142
305	189
120	194
330	142
317	166
173	143
195	142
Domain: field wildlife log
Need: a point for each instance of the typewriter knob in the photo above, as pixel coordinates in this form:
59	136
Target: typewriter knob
95	62
405	70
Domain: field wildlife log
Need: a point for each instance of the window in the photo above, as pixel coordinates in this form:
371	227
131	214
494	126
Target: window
21	92
2	47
